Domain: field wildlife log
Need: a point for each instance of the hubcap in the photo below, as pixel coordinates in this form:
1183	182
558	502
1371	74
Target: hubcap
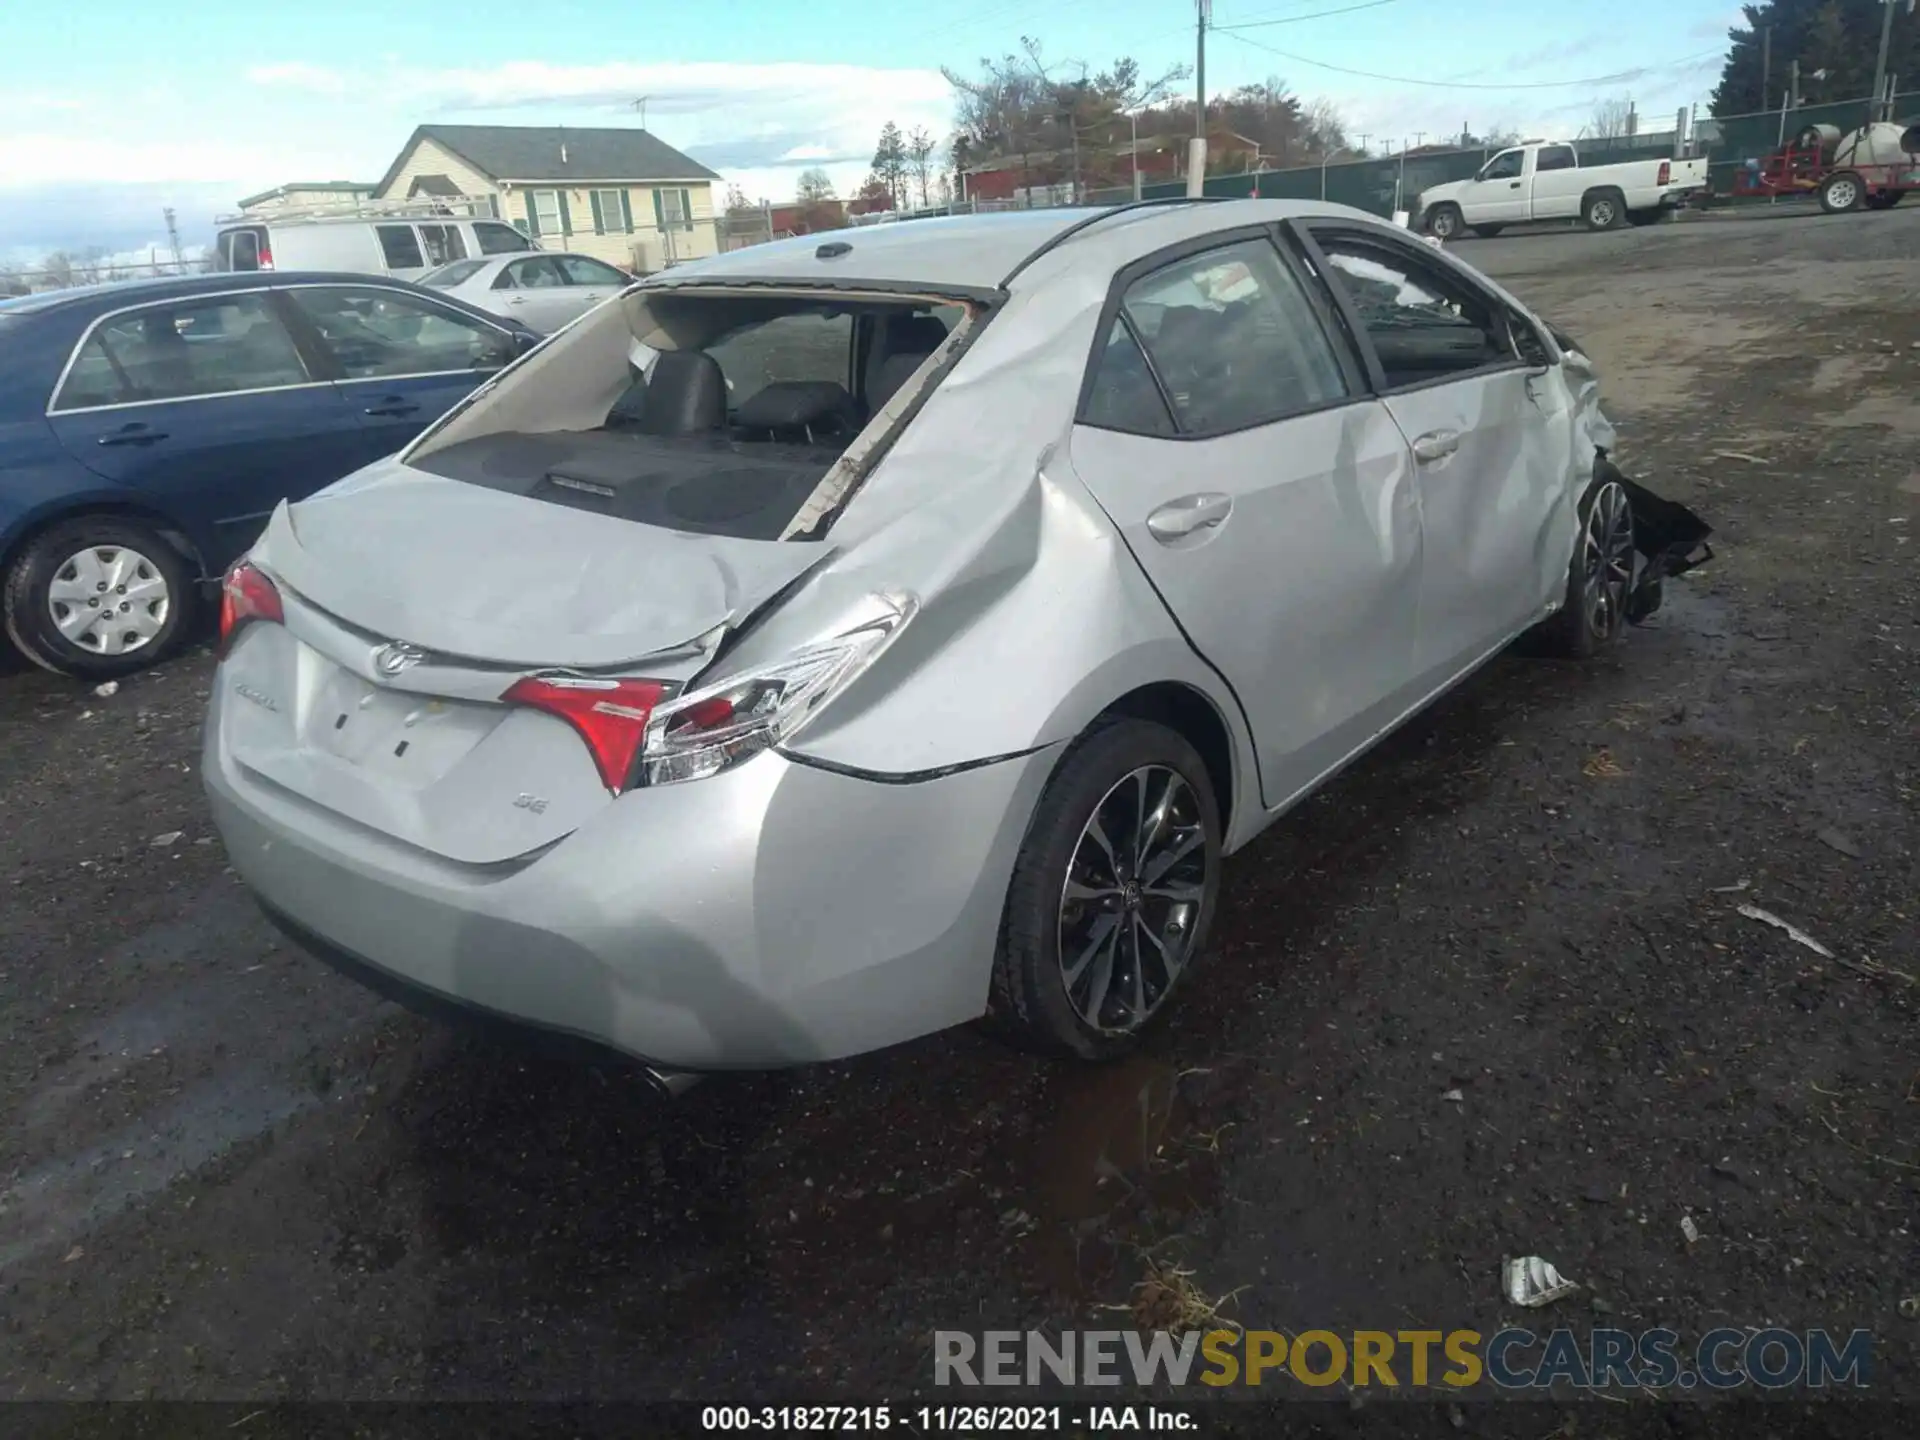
1607	561
1443	224
1842	194
1130	908
1603	212
109	600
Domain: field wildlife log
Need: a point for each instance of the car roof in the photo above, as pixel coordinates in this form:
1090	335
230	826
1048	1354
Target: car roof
980	252
115	293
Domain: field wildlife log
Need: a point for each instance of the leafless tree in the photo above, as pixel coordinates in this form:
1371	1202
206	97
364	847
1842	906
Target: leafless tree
814	187
1612	118
920	148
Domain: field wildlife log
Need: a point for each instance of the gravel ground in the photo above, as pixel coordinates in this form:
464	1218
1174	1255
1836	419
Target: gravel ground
230	1175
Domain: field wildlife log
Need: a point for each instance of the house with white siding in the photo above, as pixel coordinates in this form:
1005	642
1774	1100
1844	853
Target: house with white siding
619	194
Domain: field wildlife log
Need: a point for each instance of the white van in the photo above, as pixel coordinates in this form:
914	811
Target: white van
403	247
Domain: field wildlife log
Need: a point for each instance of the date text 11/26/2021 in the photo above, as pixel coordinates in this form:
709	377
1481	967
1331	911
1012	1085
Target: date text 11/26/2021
967	1419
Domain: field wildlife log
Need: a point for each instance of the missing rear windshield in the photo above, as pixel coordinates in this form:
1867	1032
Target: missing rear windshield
725	419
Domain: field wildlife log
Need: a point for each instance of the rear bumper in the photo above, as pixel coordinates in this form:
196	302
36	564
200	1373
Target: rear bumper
777	914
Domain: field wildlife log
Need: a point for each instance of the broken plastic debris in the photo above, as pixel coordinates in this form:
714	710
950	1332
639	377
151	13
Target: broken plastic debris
107	689
1455	1096
1839	840
172	837
1794	932
1689	1229
1532	1282
73	1255
1733	889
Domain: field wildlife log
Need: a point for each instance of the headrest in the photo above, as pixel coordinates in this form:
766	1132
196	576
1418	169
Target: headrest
795	405
686	395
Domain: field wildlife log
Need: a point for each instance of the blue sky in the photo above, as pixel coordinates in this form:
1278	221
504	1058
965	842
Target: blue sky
102	126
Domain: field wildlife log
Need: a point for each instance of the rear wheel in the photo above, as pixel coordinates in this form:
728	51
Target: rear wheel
1842	192
1444	223
1604	210
1112	894
1599	577
97	597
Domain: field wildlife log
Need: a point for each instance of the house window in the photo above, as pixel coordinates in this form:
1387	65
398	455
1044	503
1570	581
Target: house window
610	213
547	217
673	209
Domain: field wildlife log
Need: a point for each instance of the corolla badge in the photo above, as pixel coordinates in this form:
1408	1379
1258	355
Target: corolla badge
399	656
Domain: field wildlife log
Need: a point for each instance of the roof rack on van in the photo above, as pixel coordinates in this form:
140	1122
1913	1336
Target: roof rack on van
421	207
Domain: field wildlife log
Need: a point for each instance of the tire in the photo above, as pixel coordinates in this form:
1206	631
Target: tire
1445	222
1600	577
1043	1005
1841	192
140	577
1604	210
1487	232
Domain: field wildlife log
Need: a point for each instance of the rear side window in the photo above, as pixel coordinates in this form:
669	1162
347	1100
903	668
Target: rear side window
182	350
579	270
400	247
443	243
1423	323
1125	395
448	276
1233	339
539	273
498	239
788	347
1555	157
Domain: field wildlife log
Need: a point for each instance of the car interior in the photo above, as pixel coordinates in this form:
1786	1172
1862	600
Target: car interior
729	430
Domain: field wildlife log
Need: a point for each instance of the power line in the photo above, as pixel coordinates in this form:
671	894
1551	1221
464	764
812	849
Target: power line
1296	19
1619	77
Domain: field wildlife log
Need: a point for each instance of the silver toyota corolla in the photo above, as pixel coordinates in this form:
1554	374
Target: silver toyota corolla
912	638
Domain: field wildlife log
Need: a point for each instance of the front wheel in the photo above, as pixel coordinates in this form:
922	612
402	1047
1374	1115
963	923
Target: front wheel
1599	577
97	597
1445	222
1112	894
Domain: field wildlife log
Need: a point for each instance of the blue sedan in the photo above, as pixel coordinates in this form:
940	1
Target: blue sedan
147	430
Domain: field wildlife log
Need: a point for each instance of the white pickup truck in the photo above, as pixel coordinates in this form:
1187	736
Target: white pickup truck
1544	180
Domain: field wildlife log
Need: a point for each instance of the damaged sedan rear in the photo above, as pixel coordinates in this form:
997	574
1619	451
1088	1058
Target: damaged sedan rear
852	637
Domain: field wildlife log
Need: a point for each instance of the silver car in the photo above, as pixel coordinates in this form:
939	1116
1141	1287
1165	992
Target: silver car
542	291
916	637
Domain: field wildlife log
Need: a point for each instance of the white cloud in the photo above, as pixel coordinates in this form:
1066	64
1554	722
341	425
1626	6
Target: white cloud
298	75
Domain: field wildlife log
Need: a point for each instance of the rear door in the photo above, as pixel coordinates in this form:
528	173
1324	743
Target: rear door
207	403
535	292
1266	495
589	281
1490	448
399	359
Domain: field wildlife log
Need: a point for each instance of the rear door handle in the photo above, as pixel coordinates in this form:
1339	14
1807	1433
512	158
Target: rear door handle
392	405
1436	445
133	435
1179	518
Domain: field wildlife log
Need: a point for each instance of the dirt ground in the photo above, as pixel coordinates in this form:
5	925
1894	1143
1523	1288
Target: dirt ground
227	1174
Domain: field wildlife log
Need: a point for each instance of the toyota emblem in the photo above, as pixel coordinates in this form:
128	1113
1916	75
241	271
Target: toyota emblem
399	656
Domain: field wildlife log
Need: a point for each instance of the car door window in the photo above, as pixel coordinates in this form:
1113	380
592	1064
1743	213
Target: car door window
443	243
1124	395
1554	157
1422	323
498	239
579	270
182	350
400	246
375	332
1232	338
538	273
1505	166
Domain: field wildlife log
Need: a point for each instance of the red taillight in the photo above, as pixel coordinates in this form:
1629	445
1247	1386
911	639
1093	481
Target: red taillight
610	715
1666	172
246	595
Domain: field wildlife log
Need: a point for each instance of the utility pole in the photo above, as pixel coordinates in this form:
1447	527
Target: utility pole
1197	148
641	106
173	237
1766	68
1880	95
